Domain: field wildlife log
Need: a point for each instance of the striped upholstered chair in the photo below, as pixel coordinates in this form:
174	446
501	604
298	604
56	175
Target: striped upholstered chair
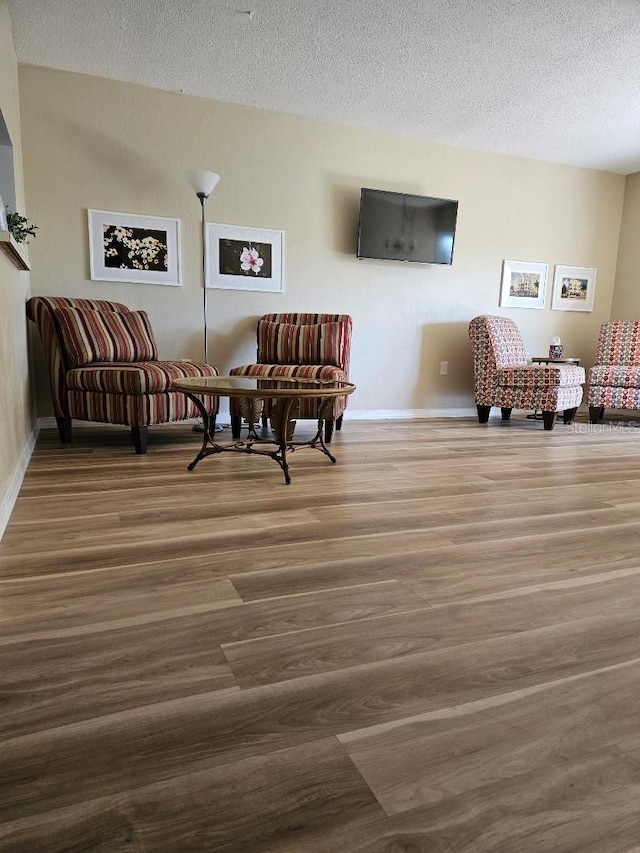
614	380
103	366
503	376
307	346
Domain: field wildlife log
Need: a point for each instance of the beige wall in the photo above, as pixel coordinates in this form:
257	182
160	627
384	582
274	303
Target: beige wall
94	143
15	409
626	301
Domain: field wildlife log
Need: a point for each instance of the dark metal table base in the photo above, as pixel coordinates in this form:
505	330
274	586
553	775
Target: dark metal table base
283	413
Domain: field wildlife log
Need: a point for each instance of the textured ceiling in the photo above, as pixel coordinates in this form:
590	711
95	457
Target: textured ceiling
555	80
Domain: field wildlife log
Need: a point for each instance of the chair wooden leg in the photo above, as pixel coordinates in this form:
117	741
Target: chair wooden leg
506	413
483	413
568	415
236	426
548	419
595	413
64	429
339	423
328	431
139	436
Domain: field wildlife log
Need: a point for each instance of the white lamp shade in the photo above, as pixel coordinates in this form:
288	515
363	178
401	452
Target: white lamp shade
203	182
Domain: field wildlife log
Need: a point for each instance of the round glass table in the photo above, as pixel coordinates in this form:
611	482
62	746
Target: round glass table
284	394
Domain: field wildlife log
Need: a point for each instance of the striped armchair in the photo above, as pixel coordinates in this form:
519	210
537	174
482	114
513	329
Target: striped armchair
308	346
504	378
103	366
614	380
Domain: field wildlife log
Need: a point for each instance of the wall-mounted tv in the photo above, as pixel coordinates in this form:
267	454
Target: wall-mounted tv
403	227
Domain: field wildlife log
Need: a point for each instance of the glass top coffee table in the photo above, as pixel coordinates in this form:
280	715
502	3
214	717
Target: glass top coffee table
250	391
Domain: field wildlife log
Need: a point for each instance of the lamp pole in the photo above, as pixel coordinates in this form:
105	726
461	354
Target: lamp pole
203	183
203	200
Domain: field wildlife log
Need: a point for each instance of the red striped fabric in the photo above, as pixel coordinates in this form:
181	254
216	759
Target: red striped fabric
308	405
290	343
305	319
135	409
149	377
40	310
304	345
98	336
112	400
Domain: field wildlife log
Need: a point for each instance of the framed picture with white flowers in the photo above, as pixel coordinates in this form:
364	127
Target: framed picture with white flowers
134	248
241	258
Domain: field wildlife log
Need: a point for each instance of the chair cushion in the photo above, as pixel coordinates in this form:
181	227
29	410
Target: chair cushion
290	343
537	397
143	378
556	376
309	406
617	375
300	371
105	336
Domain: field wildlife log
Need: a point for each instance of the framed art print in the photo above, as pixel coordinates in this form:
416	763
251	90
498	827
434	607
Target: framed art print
134	248
523	285
573	288
241	258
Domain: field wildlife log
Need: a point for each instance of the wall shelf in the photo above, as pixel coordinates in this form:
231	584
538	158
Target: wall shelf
12	250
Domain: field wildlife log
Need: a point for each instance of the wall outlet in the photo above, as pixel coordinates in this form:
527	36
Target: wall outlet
444	368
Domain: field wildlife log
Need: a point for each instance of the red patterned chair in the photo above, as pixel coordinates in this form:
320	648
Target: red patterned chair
504	378
103	366
614	380
308	346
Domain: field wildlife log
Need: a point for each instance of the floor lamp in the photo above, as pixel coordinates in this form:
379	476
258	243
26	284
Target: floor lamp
203	183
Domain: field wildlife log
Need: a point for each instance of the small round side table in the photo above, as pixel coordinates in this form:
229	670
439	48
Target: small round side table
546	359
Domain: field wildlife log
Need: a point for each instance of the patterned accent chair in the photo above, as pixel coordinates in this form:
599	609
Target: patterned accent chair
103	366
614	380
308	346
504	378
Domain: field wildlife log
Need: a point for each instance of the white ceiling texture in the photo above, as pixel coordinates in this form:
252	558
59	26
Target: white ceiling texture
555	80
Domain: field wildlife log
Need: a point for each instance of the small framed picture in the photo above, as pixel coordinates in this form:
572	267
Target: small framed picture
134	248
524	284
573	288
240	258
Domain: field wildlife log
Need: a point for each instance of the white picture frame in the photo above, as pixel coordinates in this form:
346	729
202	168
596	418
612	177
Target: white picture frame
243	258
523	284
573	288
133	248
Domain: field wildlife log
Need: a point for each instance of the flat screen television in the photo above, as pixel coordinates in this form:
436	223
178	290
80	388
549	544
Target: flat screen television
402	227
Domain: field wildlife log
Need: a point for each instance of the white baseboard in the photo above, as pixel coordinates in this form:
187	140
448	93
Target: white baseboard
406	414
349	415
420	414
13	490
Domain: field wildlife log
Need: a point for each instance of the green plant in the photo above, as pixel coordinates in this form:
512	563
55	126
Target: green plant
20	227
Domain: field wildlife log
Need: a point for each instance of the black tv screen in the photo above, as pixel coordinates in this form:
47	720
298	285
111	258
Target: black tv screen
402	227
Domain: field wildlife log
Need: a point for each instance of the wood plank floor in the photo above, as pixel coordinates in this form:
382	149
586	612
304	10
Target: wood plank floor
433	645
